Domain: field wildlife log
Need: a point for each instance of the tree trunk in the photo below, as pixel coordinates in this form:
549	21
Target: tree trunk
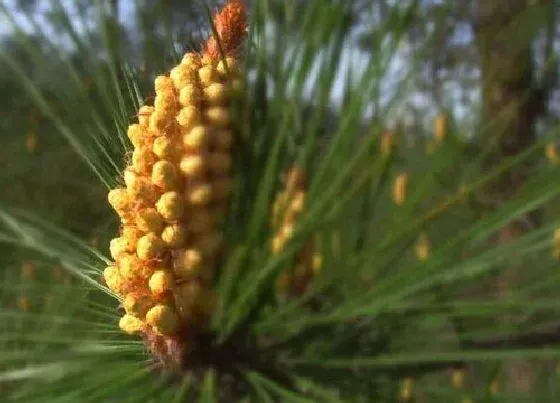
512	104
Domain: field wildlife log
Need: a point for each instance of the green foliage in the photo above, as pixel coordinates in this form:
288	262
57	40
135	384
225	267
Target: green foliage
374	314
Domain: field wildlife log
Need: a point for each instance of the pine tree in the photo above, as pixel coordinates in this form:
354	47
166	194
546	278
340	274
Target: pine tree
255	225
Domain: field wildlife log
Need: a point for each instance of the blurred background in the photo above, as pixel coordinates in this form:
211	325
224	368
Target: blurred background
485	70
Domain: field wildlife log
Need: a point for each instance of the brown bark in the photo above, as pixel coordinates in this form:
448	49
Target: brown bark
512	103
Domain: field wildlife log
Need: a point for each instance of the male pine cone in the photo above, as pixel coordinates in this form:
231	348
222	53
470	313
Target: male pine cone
287	209
176	189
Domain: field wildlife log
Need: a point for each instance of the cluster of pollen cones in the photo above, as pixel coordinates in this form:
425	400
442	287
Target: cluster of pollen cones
287	208
175	195
176	190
